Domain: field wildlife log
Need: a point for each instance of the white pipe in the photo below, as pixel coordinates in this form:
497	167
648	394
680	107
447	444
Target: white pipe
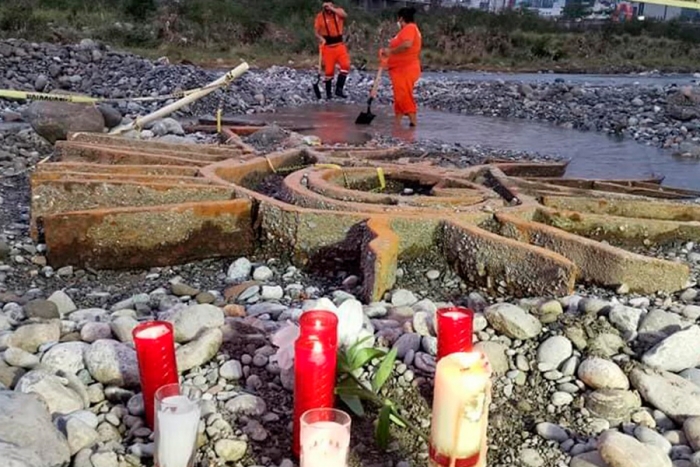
168	109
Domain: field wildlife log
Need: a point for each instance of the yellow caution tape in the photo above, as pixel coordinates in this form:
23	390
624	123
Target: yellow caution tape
380	176
329	166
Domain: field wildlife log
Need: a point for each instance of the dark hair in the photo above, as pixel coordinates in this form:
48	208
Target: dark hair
407	14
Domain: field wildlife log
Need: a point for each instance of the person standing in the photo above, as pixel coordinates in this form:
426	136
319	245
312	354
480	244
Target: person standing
402	59
329	26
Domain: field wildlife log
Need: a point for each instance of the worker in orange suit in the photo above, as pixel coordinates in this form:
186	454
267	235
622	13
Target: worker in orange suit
402	59
329	31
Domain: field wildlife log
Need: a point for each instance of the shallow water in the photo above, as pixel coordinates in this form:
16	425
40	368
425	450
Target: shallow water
592	154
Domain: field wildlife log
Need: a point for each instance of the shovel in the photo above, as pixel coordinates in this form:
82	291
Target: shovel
365	118
317	84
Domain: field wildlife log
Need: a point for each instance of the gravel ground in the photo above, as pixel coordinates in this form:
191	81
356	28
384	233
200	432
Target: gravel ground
594	379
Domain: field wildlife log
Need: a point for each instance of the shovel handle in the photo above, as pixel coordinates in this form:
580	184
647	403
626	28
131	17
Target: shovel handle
375	85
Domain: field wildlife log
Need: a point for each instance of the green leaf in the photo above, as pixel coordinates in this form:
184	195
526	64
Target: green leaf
383	424
397	421
384	371
354	404
354	348
342	365
354	391
366	355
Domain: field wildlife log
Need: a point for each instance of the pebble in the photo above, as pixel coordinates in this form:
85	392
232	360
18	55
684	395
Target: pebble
562	398
554	351
403	297
676	353
513	321
599	373
240	270
262	274
551	432
620	450
230	450
231	370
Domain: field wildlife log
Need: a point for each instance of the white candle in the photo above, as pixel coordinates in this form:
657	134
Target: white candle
177	423
460	410
324	444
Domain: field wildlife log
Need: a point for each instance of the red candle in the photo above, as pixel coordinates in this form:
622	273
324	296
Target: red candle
314	365
155	350
455	326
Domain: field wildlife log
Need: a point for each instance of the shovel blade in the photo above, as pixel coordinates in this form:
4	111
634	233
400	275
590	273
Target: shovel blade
365	118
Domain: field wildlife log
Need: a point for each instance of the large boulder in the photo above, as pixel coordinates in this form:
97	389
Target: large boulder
54	120
27	436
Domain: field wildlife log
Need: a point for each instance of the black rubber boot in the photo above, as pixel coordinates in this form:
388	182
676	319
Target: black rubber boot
329	89
340	86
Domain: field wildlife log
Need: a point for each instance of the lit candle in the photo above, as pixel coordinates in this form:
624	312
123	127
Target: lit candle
314	366
155	350
325	438
455	326
177	421
460	411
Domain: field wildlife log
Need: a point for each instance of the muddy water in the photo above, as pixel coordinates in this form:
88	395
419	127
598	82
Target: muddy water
592	155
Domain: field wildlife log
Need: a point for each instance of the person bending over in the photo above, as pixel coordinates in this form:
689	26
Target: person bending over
402	58
329	31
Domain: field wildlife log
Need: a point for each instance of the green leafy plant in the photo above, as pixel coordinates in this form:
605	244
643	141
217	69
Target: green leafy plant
353	391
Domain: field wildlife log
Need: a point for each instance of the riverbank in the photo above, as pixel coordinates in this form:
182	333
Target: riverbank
573	383
205	32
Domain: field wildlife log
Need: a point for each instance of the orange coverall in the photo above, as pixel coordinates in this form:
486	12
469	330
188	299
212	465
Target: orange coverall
404	69
330	25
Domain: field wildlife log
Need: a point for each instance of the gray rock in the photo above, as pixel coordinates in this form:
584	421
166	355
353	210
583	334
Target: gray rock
691	428
272	292
112	363
32	336
554	351
531	458
199	351
657	325
190	321
549	311
54	120
181	290
66	356
512	321
52	390
104	459
551	432
240	270
605	344
112	116
588	459
677	352
651	437
40	82
599	373
406	343
614	405
429	345
9	375
496	354
63	302
625	319
79	434
673	395
167	126
26	426
691	312
560	399
232	370
593	306
403	297
20	358
247	404
122	327
92	332
262	274
266	308
42	309
692	374
619	450
422	323
230	450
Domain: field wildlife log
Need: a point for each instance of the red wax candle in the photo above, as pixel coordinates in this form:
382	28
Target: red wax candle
155	350
314	365
455	326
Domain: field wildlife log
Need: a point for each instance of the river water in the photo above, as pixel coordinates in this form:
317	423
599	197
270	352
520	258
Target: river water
592	154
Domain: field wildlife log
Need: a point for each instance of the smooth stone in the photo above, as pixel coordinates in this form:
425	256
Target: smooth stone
183	290
550	311
63	302
199	351
262	274
247	404
625	319
588	459
560	398
112	363
403	297
53	390
531	458
677	352
104	459
554	351
240	270
691	429
95	331
272	292
26	427
79	434
231	370
32	336
551	432
691	312
614	405
496	354
122	327
599	373
651	437
605	344
230	450
619	450
406	343
692	374
42	309
674	395
189	322
20	358
512	321
657	325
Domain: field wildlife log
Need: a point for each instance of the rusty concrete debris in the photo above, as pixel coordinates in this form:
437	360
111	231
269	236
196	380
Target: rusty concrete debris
515	228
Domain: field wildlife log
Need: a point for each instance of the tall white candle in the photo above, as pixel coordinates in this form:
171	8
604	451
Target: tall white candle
460	411
324	444
178	420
